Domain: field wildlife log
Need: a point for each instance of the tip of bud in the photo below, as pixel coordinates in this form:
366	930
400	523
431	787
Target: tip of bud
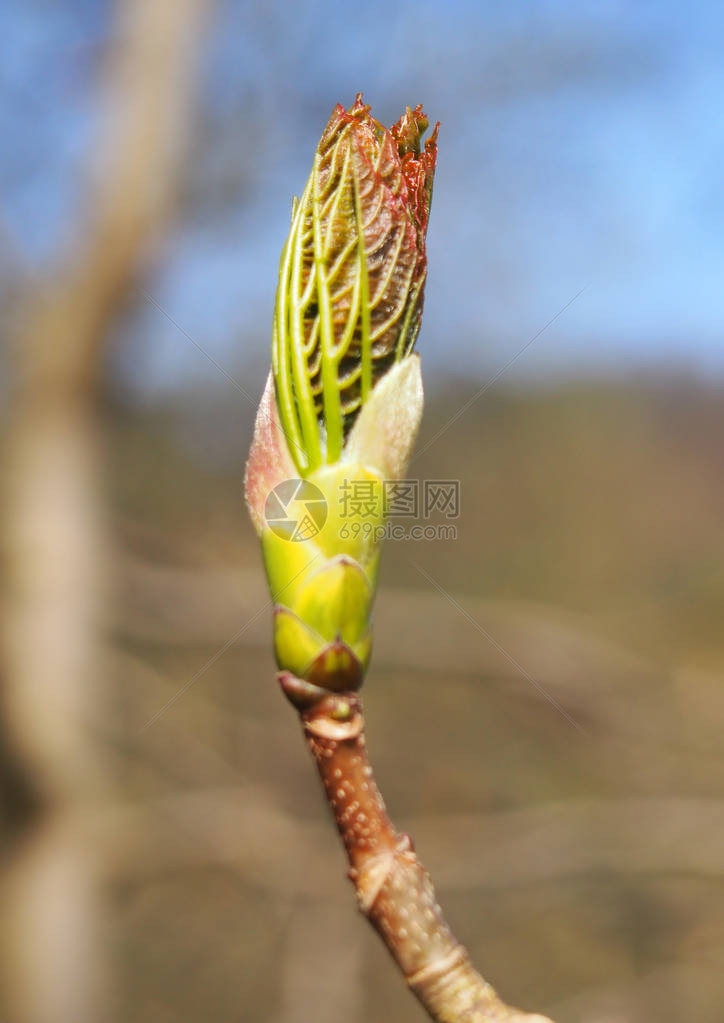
408	131
352	276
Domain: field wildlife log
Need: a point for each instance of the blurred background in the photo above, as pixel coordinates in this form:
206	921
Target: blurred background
545	705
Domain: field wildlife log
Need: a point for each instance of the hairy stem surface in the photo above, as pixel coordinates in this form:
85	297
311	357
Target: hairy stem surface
394	891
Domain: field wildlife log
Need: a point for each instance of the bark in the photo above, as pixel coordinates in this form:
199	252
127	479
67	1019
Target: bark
394	891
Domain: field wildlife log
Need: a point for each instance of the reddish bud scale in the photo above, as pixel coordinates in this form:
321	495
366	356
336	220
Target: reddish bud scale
393	179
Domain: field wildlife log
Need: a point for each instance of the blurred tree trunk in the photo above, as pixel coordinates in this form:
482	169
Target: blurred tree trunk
55	545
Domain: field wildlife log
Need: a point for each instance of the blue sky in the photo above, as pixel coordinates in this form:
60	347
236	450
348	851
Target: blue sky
581	148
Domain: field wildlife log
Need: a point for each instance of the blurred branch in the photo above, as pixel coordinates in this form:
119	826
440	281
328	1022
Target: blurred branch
55	537
131	185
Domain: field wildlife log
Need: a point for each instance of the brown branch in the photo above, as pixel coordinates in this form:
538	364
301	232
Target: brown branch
394	891
55	536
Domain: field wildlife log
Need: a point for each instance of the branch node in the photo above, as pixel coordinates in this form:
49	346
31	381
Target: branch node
339	731
439	968
371	879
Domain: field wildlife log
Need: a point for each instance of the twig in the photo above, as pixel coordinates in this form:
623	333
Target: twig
394	891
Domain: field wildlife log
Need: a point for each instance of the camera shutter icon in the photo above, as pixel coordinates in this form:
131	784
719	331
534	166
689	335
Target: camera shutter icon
295	510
